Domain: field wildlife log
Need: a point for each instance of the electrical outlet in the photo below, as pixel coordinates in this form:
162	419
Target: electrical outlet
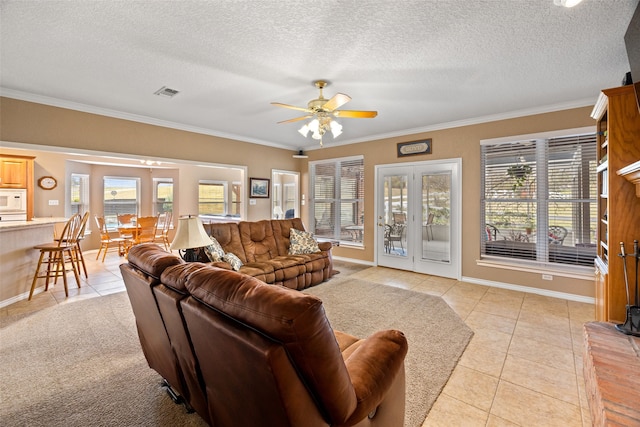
547	277
53	203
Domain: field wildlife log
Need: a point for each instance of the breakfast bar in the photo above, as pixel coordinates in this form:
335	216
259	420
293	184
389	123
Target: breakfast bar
18	259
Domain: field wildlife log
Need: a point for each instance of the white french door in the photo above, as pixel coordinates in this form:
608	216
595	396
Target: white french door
418	217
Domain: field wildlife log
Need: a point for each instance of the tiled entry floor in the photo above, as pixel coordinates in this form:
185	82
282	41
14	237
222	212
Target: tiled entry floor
523	366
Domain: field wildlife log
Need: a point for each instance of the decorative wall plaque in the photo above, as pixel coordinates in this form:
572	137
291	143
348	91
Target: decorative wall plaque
415	147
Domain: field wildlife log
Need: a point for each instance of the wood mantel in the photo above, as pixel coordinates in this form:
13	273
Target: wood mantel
632	174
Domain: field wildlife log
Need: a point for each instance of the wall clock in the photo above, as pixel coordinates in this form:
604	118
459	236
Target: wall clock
47	183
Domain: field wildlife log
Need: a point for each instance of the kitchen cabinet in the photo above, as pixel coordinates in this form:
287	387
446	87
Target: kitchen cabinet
17	172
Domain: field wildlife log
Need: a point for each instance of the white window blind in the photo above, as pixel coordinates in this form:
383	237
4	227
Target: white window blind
337	199
539	200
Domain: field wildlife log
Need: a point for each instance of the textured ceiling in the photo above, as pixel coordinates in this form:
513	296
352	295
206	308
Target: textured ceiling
421	64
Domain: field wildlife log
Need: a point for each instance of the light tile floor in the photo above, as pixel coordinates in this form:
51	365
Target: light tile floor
523	367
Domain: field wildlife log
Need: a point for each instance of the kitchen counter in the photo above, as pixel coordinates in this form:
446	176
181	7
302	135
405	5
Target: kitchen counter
36	222
18	258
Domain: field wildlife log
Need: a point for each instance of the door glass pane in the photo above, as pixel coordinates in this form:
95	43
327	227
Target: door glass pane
395	215
436	217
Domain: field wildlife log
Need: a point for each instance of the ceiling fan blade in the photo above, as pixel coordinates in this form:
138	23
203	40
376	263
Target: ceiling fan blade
297	119
292	107
336	101
354	114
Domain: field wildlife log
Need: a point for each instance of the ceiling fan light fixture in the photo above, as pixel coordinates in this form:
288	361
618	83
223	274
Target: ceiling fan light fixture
322	111
304	130
336	128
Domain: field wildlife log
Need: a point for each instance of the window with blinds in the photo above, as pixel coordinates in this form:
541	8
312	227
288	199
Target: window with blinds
79	187
212	198
337	199
162	195
539	200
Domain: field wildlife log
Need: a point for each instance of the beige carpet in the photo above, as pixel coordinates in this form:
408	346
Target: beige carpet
437	336
80	363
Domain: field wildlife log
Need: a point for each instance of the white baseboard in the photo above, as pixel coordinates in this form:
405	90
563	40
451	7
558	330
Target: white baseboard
530	290
501	285
20	297
354	261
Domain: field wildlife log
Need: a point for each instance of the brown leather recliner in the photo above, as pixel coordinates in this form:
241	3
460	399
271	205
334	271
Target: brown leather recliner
152	309
266	355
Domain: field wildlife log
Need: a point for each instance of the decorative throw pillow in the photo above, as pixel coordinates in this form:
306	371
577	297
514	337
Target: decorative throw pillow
302	242
214	251
233	260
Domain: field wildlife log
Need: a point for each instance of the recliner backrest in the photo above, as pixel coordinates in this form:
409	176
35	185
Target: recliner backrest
258	240
228	235
289	321
140	275
282	232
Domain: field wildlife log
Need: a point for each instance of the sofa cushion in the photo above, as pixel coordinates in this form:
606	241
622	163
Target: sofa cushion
228	235
233	261
302	242
214	251
258	240
282	232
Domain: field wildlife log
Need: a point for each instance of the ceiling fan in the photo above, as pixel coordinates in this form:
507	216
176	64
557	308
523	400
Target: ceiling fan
322	111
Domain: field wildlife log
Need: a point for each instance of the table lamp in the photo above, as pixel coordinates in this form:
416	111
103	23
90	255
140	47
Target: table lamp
189	237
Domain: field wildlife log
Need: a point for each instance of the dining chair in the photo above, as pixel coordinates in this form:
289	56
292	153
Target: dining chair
164	225
429	227
399	218
56	255
393	233
107	242
146	231
126	219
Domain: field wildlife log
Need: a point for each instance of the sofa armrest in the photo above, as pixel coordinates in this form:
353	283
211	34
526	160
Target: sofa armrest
324	246
221	264
372	367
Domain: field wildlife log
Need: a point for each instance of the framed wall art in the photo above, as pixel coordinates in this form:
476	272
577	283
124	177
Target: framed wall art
259	188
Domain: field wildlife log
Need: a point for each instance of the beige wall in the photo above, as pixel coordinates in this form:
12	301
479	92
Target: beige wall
31	123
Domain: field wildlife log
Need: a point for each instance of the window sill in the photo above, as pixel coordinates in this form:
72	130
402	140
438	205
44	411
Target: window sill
574	272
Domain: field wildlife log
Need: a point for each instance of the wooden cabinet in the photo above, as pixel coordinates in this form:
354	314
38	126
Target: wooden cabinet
618	130
13	172
17	172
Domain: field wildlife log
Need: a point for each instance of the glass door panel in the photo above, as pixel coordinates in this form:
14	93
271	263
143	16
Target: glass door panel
392	221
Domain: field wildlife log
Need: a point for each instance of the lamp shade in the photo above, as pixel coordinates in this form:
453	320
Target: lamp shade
190	234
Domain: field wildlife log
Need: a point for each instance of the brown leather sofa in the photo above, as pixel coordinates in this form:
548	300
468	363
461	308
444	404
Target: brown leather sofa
244	353
263	248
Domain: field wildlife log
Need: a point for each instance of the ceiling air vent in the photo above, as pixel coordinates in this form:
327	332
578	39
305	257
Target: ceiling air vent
166	91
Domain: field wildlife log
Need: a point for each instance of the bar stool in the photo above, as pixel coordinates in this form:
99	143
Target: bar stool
56	255
76	240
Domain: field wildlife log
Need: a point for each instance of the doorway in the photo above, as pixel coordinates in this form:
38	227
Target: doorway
284	194
418	217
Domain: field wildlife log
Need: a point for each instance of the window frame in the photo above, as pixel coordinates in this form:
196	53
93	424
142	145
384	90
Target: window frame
156	201
337	201
226	198
84	195
112	225
542	199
